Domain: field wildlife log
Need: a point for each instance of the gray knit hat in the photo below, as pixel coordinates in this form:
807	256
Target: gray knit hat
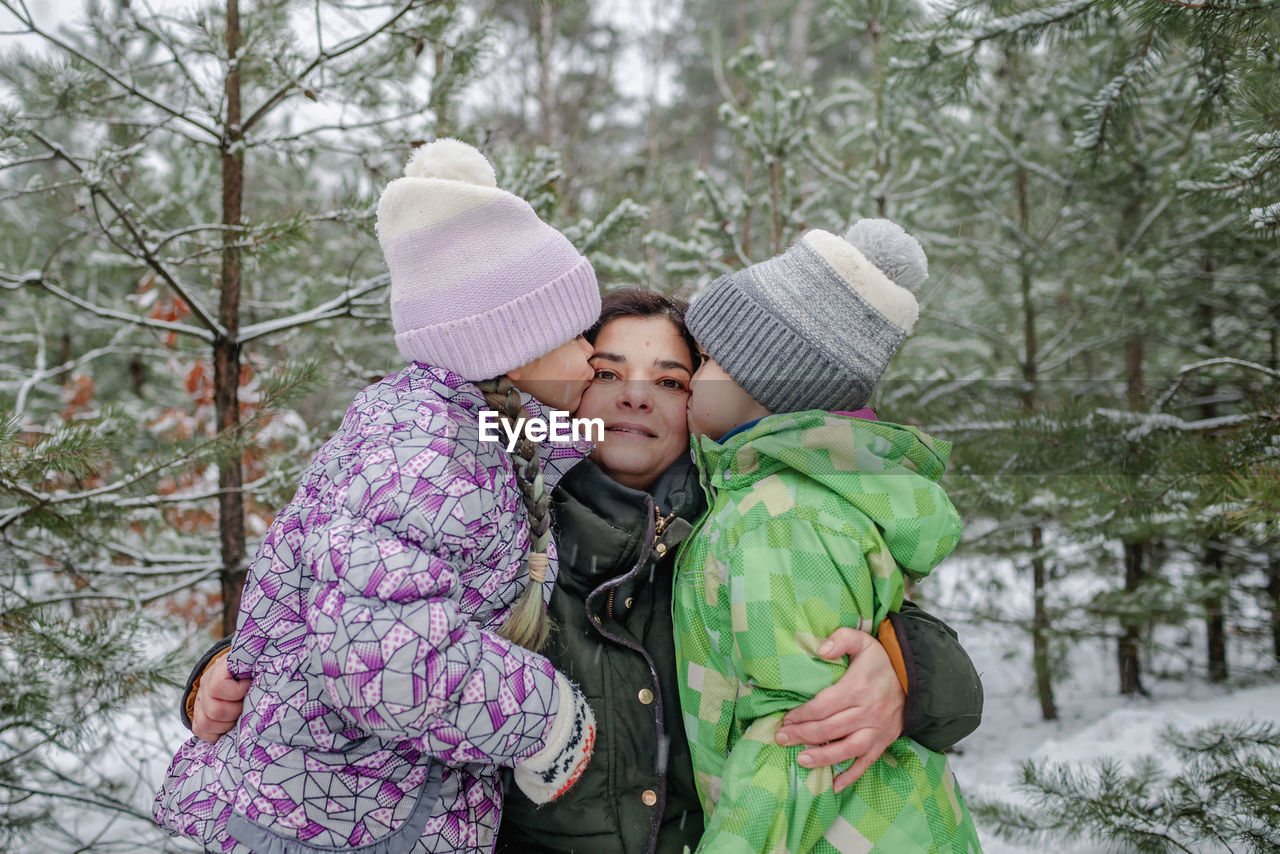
815	327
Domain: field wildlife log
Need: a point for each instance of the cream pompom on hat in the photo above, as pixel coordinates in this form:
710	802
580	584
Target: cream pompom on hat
479	284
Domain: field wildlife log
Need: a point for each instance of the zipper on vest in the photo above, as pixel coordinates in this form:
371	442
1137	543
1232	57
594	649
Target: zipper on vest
660	524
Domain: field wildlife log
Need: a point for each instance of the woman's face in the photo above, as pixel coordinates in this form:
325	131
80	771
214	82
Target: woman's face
557	378
640	391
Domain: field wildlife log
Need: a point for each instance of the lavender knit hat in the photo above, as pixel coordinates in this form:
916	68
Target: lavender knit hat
479	284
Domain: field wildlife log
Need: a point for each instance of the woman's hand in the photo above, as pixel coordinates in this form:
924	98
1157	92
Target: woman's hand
219	701
856	718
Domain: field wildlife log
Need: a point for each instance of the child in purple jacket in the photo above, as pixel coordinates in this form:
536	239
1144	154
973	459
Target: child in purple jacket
391	618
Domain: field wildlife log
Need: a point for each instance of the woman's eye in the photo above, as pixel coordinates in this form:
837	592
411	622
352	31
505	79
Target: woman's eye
674	385
606	375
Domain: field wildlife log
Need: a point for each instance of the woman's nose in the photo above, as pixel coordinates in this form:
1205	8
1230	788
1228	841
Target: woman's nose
635	394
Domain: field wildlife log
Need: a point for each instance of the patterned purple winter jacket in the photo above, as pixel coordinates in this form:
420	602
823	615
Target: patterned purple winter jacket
382	700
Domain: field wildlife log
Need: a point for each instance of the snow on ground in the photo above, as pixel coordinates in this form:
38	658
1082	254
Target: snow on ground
1095	721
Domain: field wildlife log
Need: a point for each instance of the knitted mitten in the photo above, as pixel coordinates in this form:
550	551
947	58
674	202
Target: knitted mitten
552	771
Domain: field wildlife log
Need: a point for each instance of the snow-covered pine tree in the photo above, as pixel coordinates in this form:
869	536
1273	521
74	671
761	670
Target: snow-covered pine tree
1222	52
1140	249
1014	247
1213	788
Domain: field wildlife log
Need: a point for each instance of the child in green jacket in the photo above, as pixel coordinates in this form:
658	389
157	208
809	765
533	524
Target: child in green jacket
815	512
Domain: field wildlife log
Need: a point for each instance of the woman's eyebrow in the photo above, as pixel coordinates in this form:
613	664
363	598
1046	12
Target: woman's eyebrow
672	365
611	357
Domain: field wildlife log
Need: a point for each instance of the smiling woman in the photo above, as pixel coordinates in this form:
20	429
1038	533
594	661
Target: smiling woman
619	518
641	388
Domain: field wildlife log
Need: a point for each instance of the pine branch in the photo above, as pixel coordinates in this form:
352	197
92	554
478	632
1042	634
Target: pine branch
626	212
28	161
1099	112
336	307
24	16
190	578
36	377
144	252
1149	422
102	802
9	281
289	382
320	61
1029	24
177	56
176	499
1185	370
344	127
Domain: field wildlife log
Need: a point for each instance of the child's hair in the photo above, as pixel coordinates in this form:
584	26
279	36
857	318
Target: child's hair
528	624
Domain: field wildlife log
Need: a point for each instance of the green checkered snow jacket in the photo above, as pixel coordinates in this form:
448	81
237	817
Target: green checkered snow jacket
813	519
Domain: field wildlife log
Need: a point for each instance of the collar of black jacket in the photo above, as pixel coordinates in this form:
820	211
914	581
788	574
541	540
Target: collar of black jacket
600	524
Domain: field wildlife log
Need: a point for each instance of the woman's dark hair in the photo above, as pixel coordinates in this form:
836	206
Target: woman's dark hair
639	302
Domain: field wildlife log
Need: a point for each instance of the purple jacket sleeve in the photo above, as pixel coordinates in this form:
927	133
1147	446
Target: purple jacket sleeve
401	658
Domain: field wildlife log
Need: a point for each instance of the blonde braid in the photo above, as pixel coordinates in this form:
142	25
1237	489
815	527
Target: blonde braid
528	624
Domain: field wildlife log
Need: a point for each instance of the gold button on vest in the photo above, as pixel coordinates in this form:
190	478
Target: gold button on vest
650	797
646	696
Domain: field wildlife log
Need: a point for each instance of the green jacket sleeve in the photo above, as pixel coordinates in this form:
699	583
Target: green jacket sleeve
944	692
789	586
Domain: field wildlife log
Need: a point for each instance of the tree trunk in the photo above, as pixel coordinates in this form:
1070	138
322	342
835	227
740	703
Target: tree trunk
1214	606
1134	550
1040	628
798	36
1131	634
875	31
1215	619
226	349
1273	566
444	117
546	87
1273	343
1273	595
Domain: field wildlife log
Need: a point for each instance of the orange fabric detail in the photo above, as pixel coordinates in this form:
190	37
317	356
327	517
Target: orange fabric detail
889	640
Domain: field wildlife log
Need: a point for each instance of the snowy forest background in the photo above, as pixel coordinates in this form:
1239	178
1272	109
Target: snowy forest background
192	294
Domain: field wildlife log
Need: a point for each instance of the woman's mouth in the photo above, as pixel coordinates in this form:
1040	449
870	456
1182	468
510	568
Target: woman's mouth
625	429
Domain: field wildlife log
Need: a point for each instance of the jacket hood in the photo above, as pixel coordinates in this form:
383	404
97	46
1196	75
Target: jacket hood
888	472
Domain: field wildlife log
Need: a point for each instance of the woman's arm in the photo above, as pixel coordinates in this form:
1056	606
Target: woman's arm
867	710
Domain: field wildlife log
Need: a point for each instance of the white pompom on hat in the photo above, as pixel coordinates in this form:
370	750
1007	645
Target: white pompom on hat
479	284
451	160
